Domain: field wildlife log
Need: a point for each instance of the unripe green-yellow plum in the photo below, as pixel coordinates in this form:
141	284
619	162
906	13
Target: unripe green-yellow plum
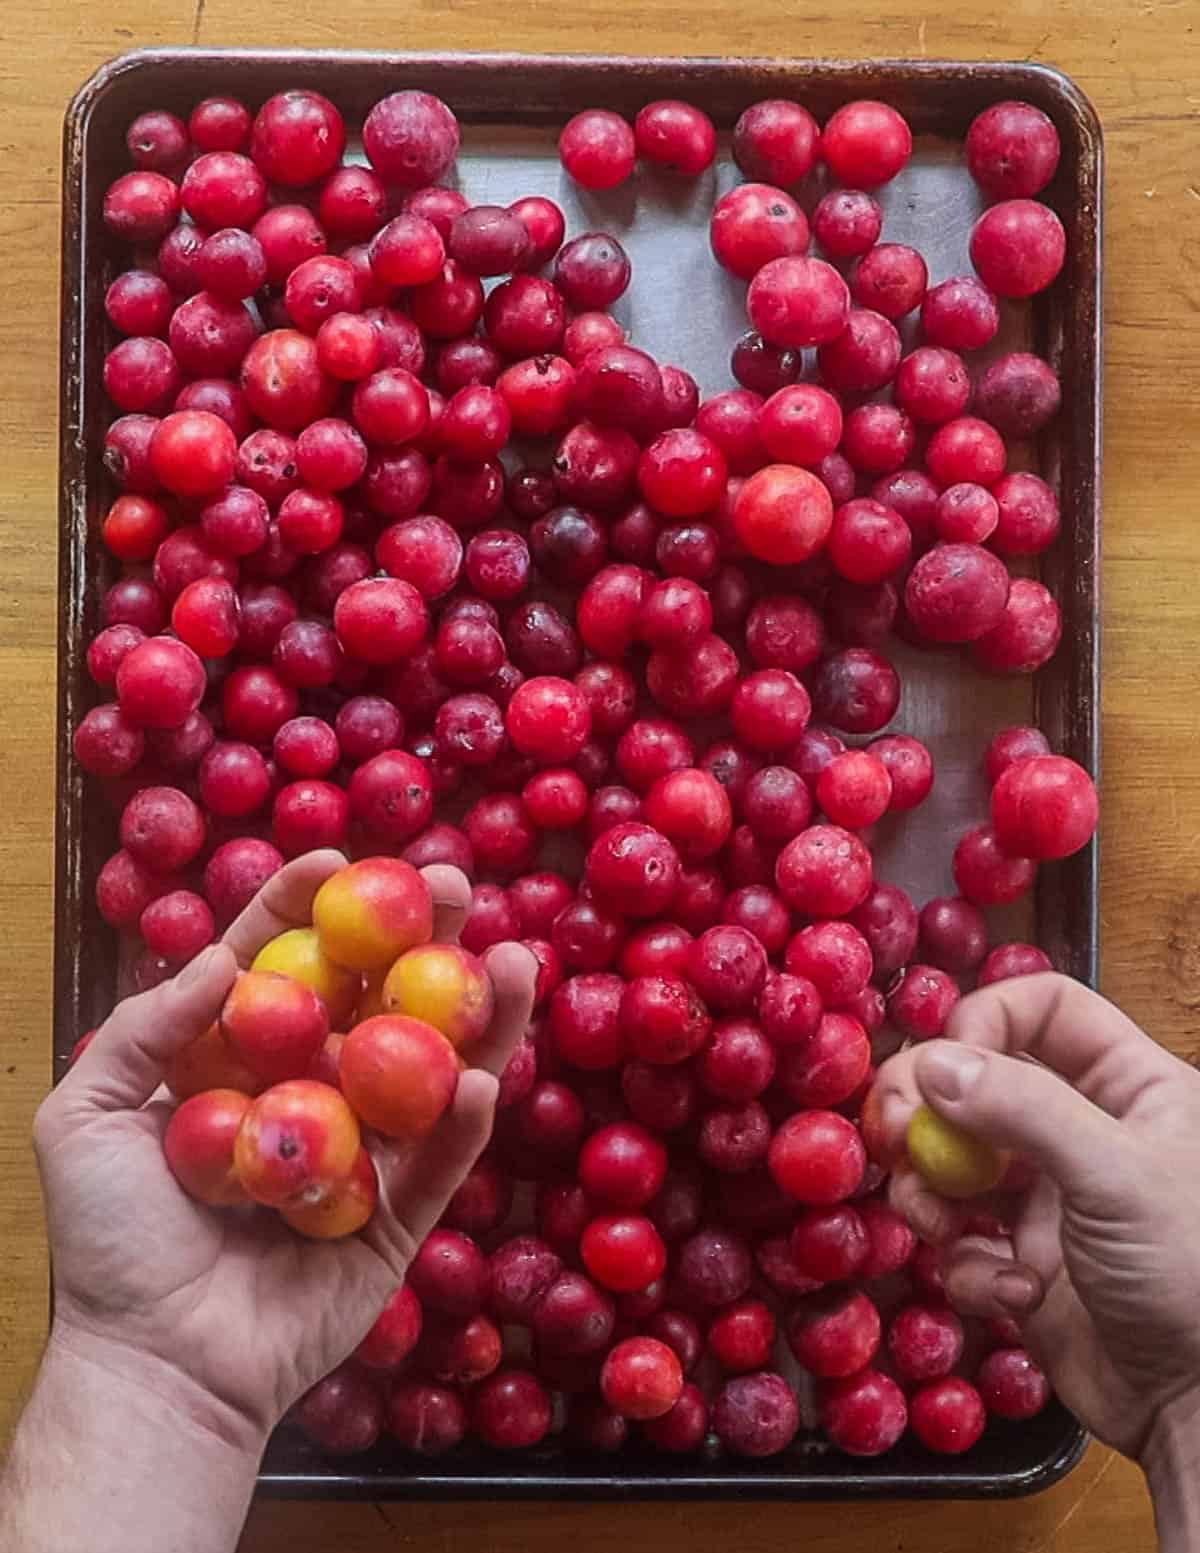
298	1139
298	954
199	1144
949	1159
371	911
399	1074
274	1024
446	986
345	1207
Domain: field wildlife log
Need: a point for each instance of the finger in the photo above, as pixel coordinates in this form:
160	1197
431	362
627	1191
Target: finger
983	1279
933	1218
513	970
1037	1233
415	1184
124	1065
1072	1030
899	1097
284	902
451	891
1022	1106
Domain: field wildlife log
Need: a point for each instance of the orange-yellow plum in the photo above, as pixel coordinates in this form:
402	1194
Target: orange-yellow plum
371	911
399	1074
297	1140
343	1209
446	986
209	1063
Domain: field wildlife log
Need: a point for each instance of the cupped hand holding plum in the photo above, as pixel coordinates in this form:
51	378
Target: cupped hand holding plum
199	1322
1103	1263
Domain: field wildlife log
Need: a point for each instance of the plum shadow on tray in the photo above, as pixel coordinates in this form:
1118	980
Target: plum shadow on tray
511	108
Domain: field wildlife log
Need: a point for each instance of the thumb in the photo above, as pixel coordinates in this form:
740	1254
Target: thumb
1016	1104
123	1066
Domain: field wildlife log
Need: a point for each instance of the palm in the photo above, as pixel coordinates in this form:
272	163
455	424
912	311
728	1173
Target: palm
251	1311
264	1312
1082	1347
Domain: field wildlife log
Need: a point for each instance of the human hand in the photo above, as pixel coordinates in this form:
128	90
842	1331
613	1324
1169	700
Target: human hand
231	1309
1102	1269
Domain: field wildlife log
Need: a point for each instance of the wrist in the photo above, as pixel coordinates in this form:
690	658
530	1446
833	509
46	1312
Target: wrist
120	1450
158	1391
1171	1462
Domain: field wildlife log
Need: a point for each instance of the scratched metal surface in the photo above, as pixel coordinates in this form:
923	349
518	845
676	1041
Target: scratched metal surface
683	308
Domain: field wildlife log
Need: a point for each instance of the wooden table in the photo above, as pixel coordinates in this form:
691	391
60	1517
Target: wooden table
1140	63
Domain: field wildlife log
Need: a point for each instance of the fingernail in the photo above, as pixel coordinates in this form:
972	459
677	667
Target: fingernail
948	1071
531	966
1016	1291
196	969
488	1085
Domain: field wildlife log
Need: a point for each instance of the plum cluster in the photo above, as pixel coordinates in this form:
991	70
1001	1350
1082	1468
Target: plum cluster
272	1095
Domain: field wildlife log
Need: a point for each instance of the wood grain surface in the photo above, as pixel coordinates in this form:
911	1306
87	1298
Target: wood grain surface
1139	60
